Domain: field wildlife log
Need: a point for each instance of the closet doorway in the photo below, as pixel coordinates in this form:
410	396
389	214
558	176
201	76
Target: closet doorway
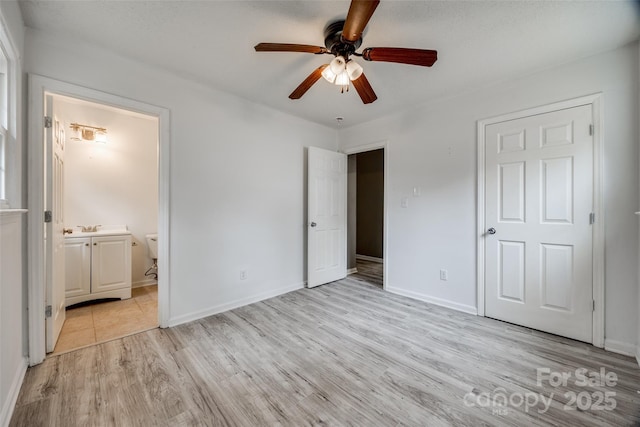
366	215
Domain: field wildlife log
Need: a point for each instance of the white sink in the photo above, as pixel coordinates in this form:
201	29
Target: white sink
106	230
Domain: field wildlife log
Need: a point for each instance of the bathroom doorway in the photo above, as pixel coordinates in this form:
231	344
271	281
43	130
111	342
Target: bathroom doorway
366	215
110	206
114	232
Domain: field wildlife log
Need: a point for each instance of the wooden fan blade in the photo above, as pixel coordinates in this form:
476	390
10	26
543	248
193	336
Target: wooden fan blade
364	89
288	47
308	82
358	17
423	57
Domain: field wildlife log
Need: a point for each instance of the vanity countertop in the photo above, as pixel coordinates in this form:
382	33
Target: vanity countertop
107	230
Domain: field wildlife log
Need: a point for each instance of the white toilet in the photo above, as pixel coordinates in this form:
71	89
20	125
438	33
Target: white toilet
152	245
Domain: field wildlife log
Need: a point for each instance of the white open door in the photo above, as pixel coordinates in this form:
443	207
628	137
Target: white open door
327	211
538	241
54	228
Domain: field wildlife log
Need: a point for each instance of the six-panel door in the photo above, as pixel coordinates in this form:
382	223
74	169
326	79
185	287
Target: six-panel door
539	197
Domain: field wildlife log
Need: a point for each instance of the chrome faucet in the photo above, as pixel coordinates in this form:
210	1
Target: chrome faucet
89	228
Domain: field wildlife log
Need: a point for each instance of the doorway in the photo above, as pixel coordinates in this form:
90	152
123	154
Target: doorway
366	215
539	219
39	88
110	184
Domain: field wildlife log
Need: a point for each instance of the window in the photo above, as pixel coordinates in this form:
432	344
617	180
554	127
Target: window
9	150
4	124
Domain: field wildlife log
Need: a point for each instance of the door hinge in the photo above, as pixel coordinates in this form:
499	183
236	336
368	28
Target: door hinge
47	216
593	306
47	122
47	311
591	130
592	218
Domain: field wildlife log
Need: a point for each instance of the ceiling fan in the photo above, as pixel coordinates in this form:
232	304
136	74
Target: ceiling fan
342	38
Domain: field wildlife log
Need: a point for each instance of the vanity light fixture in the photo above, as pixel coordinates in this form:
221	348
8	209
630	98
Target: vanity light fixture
88	133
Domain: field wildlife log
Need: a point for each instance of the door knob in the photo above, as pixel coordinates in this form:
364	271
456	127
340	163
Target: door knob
313	224
491	231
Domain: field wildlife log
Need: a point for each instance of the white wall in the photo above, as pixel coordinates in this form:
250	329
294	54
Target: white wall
237	177
434	147
12	361
114	183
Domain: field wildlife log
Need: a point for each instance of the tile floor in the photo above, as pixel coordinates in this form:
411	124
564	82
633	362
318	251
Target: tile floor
105	321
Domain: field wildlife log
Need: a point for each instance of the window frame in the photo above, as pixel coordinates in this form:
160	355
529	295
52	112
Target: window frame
10	195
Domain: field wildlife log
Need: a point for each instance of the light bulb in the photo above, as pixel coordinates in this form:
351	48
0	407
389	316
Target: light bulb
328	75
354	69
337	65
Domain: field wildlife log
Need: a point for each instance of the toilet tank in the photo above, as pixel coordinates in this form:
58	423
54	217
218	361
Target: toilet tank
152	244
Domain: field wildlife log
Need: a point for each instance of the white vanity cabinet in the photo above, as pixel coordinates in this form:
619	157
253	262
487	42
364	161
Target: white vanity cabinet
97	267
77	253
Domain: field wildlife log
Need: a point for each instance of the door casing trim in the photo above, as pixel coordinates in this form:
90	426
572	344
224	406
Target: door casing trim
38	86
595	100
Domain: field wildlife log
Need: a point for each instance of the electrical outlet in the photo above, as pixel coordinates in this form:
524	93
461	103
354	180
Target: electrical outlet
243	274
444	275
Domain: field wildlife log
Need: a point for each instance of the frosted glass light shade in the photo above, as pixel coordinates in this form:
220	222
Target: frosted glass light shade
337	65
329	75
101	137
354	69
75	134
342	79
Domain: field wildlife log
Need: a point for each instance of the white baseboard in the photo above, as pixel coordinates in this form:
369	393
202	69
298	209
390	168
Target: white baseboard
352	271
12	396
620	347
370	258
434	300
189	317
143	283
638	354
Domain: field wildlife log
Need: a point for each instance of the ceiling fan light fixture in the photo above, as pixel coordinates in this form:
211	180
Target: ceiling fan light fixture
354	69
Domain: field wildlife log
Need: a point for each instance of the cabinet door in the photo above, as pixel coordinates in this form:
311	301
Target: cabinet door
110	263
77	267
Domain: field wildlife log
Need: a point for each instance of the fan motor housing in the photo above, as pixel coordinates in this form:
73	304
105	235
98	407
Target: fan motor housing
334	42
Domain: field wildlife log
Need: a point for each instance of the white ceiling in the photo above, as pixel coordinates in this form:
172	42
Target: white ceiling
478	43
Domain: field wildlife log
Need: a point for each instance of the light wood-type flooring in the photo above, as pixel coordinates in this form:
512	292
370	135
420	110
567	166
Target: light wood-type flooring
103	321
346	353
369	272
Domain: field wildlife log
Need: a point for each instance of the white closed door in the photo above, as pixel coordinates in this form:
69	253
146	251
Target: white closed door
327	213
54	235
538	236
